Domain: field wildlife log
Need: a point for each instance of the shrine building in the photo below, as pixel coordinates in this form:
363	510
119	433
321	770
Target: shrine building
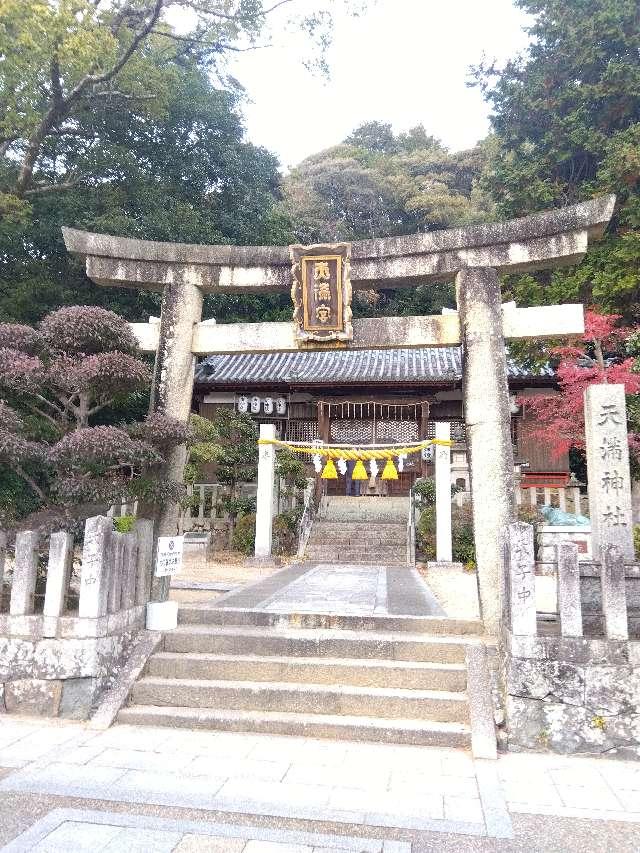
374	397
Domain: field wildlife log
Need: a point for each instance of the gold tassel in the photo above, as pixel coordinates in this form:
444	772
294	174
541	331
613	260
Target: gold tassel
389	472
329	472
359	472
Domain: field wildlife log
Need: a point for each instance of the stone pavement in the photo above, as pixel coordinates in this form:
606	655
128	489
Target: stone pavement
335	796
345	588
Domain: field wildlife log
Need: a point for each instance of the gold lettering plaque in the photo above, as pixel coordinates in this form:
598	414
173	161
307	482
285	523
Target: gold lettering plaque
321	292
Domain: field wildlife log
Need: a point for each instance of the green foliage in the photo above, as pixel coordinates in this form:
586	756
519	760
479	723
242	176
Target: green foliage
124	523
290	469
16	500
426	533
230	441
567	121
285	531
636	540
244	534
424	491
462	541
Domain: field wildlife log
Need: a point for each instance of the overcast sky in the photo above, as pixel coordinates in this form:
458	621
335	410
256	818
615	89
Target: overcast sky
404	62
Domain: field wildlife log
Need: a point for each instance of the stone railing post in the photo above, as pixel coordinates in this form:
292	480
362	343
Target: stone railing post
3	557
58	572
25	573
130	567
614	595
94	577
521	581
487	418
114	569
144	560
569	596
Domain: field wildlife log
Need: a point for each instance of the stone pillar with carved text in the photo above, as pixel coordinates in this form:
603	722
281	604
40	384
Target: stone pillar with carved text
605	418
487	419
265	494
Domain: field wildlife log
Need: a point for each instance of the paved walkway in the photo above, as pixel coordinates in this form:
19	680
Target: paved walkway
346	589
334	795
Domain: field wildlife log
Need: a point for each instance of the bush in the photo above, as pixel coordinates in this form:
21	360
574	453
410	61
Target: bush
244	534
124	523
285	531
424	491
636	540
463	543
426	533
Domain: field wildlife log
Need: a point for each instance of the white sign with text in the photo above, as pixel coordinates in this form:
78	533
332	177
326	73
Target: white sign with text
169	555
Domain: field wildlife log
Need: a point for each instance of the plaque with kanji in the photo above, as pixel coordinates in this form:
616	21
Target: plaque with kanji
321	292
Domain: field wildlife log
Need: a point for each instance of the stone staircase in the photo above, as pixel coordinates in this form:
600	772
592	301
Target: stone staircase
360	530
370	678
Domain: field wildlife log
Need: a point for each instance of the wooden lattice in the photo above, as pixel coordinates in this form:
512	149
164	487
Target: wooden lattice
396	432
302	430
352	432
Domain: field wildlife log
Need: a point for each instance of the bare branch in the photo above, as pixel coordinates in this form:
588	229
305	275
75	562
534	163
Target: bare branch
22	473
108	93
52	188
248	17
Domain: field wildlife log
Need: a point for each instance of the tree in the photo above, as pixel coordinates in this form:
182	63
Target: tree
112	121
567	120
68	58
378	184
230	442
603	357
57	379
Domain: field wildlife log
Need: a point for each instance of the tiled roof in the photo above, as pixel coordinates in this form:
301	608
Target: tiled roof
431	364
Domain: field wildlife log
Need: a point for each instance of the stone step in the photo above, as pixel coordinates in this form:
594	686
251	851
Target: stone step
353	554
417	732
362	521
209	639
355	546
354	625
362	673
362	527
328	540
294	698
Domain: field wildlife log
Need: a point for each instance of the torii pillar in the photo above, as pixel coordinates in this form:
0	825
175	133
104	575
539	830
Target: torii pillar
172	390
485	394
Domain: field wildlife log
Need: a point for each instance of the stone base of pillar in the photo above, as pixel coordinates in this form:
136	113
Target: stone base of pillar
162	615
263	562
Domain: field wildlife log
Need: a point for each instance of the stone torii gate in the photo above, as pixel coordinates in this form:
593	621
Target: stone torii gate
472	257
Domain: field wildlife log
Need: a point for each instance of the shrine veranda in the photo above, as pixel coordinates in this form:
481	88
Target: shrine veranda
320	279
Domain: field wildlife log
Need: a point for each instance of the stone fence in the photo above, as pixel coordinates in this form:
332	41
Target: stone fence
572	685
66	619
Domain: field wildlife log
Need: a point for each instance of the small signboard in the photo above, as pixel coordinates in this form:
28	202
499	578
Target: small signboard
169	555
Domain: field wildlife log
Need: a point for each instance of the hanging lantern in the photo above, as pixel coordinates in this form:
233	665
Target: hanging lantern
255	405
359	471
281	405
268	405
317	463
389	472
342	466
329	472
243	404
373	467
